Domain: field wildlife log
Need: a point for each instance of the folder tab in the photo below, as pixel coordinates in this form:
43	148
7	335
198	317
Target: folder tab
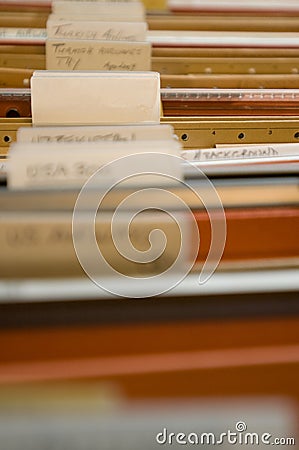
95	98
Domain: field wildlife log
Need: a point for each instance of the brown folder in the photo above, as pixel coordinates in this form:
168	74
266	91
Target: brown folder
254	233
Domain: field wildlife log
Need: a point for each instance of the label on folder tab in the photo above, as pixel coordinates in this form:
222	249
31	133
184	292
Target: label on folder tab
70	54
109	133
96	30
52	165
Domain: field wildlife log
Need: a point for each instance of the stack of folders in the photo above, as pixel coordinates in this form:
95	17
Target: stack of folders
226	44
102	35
229	76
84	120
229	90
82	35
92	130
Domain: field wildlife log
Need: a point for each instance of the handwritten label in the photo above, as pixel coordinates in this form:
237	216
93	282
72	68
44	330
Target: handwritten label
235	153
104	31
112	133
114	137
98	55
60	171
72	170
70	164
23	33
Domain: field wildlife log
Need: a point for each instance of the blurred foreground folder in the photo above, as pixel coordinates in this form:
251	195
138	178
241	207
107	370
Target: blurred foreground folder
261	222
100	417
53	165
155	358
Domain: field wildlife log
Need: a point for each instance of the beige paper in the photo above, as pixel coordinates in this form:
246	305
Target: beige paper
96	30
134	10
97	55
95	98
110	133
52	166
